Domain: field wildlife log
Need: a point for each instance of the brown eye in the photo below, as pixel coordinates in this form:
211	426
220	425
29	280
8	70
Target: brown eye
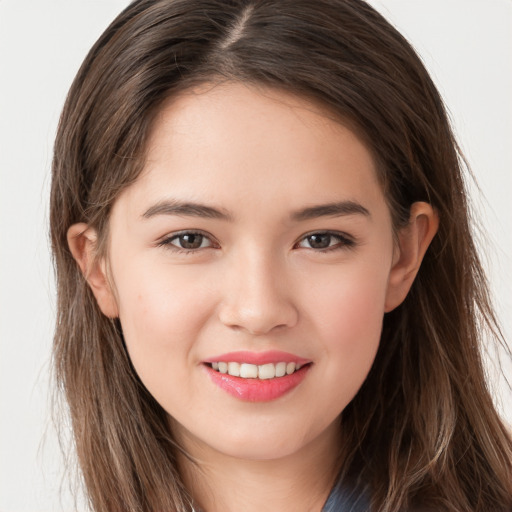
319	241
186	241
190	241
326	241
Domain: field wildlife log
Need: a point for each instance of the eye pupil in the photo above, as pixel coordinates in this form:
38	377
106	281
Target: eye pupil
191	241
319	241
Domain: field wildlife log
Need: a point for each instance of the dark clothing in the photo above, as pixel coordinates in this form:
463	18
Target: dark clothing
344	498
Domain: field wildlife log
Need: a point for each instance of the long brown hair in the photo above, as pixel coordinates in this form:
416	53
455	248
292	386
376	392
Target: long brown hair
422	430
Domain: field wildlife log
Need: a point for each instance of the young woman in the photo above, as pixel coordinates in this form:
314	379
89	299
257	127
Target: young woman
269	297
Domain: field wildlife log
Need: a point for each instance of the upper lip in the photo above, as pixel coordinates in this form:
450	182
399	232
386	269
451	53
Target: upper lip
258	358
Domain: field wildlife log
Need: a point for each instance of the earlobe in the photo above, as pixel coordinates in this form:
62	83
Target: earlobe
82	242
414	240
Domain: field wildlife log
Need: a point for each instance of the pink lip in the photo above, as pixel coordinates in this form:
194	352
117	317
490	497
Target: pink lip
258	358
256	390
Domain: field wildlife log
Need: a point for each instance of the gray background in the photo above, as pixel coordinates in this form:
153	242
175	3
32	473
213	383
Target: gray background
467	46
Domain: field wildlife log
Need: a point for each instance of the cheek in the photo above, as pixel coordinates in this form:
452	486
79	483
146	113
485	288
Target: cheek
350	302
348	317
161	315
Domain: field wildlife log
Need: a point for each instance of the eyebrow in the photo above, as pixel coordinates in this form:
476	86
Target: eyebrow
191	209
336	209
187	209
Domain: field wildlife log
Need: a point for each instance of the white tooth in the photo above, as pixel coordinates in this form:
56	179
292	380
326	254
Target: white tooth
290	368
234	369
223	367
298	367
280	369
266	371
215	366
248	371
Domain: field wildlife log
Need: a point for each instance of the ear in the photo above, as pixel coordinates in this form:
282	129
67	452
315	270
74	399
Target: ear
413	242
82	242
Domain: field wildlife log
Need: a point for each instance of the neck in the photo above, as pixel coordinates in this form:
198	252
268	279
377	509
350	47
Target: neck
299	482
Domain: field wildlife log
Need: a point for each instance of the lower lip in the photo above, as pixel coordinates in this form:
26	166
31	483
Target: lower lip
257	390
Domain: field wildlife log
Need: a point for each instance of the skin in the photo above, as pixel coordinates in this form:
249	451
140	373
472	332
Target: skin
255	283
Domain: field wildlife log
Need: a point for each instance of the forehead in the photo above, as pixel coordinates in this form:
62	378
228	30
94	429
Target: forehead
234	143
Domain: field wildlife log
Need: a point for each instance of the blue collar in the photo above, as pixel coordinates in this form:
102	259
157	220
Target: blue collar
344	498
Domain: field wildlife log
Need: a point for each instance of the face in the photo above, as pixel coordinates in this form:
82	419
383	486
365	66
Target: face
256	240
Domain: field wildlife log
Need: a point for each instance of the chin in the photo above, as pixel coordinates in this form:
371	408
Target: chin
266	441
260	449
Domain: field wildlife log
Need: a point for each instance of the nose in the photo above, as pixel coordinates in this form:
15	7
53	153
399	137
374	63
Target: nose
257	296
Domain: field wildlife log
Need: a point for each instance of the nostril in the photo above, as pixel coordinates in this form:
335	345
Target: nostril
259	321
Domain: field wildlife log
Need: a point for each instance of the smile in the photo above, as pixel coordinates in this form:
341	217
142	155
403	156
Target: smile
252	371
257	377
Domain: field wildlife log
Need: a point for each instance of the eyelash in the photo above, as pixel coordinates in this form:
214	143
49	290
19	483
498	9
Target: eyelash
344	241
167	242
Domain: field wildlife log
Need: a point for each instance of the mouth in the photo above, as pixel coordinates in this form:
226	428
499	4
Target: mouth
252	371
257	377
